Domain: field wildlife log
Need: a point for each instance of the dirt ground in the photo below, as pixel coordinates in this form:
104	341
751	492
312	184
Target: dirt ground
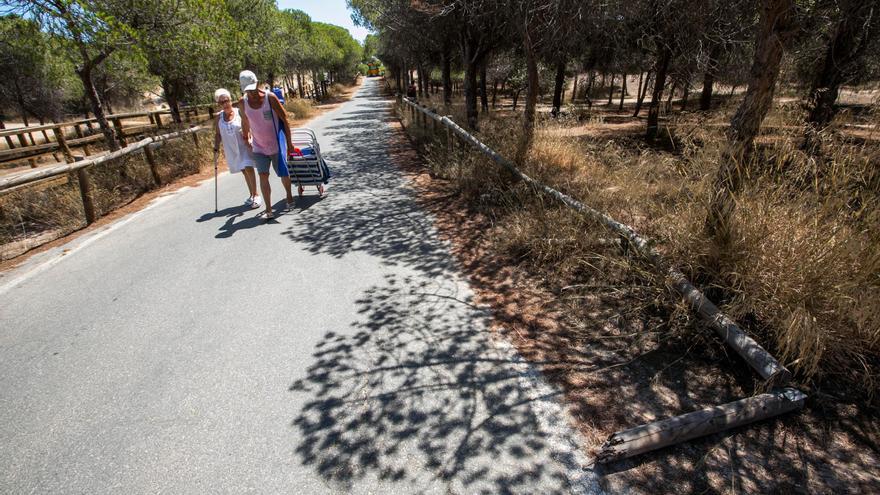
602	343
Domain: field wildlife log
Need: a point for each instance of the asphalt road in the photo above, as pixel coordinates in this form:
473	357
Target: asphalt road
335	350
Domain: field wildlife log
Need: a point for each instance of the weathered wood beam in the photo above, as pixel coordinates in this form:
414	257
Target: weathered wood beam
672	431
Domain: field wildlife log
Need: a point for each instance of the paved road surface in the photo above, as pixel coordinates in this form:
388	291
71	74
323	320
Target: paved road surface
336	350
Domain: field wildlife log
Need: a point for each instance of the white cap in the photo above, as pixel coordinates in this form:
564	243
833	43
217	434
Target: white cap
221	92
248	80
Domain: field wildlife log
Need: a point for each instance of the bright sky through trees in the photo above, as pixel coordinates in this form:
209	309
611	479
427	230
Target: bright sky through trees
329	11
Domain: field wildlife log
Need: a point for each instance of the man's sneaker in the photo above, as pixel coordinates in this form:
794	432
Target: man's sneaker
249	201
256	202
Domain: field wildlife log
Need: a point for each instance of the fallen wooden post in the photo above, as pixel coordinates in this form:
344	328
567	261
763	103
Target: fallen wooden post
659	434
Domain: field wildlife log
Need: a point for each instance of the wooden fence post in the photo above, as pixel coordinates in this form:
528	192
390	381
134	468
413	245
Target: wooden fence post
151	161
22	139
85	190
62	142
119	136
158	120
449	143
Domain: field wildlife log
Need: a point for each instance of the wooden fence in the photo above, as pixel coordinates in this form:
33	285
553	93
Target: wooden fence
65	136
659	434
14	182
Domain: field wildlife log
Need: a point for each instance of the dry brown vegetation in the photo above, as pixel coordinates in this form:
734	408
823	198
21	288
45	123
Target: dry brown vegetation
31	216
803	272
622	349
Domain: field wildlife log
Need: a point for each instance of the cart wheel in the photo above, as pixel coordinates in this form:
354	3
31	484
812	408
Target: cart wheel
299	190
320	189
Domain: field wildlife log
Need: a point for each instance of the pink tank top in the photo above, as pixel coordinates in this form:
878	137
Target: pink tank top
262	122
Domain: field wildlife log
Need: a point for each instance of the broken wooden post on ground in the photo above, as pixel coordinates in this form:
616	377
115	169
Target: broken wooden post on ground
672	431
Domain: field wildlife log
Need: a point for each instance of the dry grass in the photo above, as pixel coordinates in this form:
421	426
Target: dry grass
803	272
300	108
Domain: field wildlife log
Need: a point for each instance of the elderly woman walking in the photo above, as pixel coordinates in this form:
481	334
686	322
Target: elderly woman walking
239	158
261	114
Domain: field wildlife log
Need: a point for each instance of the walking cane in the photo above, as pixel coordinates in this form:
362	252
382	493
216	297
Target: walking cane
216	157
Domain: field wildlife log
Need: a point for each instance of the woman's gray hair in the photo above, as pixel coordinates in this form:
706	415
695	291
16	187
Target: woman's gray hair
221	92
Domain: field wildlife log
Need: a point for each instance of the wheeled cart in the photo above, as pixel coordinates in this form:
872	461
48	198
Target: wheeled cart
305	163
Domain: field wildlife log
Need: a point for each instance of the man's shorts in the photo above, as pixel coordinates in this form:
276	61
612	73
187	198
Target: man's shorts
263	162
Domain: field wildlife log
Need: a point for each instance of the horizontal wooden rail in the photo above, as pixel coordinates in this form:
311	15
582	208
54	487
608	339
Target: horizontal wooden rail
15	180
128	115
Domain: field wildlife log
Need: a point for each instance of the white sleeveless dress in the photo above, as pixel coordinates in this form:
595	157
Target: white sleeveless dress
238	156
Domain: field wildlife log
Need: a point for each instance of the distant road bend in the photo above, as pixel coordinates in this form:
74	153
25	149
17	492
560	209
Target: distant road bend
335	350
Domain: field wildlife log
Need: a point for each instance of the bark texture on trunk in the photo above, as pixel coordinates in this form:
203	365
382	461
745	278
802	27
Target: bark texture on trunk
85	75
447	75
640	99
660	69
855	28
528	130
773	31
484	98
557	88
709	77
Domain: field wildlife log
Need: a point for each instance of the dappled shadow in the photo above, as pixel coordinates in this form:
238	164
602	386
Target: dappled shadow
369	207
415	393
610	313
418	394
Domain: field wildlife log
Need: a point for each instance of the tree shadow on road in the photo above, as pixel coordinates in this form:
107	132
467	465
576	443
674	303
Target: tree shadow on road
420	395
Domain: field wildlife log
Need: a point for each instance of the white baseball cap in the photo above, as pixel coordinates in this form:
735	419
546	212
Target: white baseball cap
248	80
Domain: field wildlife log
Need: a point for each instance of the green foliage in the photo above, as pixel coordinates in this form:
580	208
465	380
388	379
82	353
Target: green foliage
35	81
125	48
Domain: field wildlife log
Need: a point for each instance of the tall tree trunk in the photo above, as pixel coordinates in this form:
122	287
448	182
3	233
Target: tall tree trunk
557	88
671	94
574	90
709	77
622	92
856	26
515	98
528	130
85	75
773	32
660	69
494	93
471	59
611	90
169	88
447	74
640	98
685	94
592	79
299	82
484	97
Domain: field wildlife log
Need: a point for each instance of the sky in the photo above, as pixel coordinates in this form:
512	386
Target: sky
329	11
